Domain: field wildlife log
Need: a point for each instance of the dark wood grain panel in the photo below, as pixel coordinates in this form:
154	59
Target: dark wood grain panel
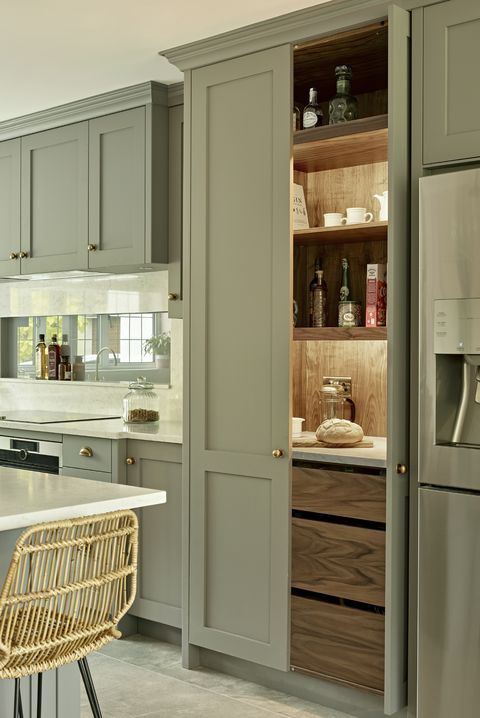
342	334
339	493
338	642
337	560
346	233
345	150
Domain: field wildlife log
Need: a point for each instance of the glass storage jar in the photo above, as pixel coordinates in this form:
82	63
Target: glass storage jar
332	403
140	405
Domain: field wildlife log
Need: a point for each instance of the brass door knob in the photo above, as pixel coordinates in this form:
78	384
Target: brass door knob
277	453
85	451
92	247
23	255
172	297
129	460
13	255
401	469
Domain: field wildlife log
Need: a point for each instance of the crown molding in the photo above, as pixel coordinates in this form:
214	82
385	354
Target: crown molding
146	93
293	27
175	94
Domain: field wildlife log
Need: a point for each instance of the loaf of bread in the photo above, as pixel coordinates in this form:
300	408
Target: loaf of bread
339	431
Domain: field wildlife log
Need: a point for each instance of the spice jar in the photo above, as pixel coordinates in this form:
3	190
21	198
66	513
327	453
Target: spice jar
140	405
332	403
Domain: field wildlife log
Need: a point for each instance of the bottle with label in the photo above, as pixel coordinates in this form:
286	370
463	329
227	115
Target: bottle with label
343	107
65	348
61	369
349	311
311	290
41	364
320	301
53	358
312	113
345	285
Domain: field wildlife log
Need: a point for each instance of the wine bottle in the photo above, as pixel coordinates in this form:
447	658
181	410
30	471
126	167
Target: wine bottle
345	294
320	301
312	113
53	358
343	107
311	291
41	367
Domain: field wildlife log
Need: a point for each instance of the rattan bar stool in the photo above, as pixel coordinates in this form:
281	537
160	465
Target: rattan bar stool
68	585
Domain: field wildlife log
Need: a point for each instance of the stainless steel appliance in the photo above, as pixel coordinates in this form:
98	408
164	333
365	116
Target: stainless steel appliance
31	454
449	447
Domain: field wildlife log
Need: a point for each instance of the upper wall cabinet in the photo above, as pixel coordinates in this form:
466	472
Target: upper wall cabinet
451	130
94	193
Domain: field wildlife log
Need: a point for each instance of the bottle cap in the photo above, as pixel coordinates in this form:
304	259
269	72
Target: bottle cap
42	337
343	70
54	337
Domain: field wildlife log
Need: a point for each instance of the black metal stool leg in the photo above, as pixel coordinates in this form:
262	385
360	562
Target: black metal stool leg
20	707
17	701
89	687
39	695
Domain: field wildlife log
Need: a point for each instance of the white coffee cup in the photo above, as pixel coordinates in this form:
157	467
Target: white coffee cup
297	425
333	219
358	215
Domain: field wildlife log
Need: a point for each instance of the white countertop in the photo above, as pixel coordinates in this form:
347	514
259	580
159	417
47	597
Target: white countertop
28	497
165	431
375	457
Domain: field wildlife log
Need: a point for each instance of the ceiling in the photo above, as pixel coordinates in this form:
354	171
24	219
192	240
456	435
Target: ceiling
56	51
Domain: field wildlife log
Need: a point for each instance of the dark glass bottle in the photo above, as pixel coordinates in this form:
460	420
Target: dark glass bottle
311	292
345	294
320	301
312	113
343	107
53	358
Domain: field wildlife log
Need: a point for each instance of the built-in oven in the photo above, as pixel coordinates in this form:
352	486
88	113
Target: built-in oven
30	454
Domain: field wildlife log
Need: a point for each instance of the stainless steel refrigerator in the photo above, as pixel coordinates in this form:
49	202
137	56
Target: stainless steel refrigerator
449	447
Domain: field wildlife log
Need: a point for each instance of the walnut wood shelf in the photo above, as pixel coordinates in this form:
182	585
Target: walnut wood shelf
339	333
343	234
347	144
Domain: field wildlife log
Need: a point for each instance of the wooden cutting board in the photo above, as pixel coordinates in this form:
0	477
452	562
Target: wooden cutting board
308	441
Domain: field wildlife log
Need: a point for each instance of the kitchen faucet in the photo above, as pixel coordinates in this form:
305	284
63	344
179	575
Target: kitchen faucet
100	351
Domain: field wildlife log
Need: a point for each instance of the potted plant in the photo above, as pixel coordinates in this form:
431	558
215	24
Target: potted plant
159	346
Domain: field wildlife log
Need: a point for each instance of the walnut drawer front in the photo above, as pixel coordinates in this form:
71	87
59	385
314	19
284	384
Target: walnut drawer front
338	560
338	642
339	493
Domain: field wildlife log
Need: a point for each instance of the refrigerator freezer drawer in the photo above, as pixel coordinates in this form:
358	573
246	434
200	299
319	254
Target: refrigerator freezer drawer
449	604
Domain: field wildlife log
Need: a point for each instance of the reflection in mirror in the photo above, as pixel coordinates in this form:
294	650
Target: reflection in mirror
99	347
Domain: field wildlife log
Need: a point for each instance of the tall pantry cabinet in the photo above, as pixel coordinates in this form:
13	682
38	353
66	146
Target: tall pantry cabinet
238	341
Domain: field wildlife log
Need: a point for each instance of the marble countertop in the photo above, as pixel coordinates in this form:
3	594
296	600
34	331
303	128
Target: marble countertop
169	432
375	457
28	497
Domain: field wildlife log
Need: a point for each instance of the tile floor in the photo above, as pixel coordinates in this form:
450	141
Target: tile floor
139	677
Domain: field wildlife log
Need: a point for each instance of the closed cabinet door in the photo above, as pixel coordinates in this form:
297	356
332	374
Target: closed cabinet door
10	207
240	329
451	95
175	210
54	201
158	466
117	189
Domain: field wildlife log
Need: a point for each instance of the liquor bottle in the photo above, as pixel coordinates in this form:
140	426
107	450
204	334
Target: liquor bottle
65	348
320	301
343	107
296	118
311	291
41	366
53	358
312	113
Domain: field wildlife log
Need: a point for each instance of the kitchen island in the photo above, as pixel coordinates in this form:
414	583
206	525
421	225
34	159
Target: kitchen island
28	498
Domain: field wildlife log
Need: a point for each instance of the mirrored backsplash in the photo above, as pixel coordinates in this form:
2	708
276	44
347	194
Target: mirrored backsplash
92	347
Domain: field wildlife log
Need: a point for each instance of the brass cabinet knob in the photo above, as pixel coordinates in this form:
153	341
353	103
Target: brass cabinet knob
92	247
277	453
85	451
129	460
23	255
172	297
401	469
13	255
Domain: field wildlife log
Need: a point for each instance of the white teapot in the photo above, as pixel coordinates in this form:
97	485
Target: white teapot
383	199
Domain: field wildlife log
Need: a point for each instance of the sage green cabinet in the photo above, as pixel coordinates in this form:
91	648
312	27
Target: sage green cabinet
54	199
451	122
10	207
154	465
175	210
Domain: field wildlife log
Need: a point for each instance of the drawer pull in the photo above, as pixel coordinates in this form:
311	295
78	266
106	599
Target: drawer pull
129	460
85	451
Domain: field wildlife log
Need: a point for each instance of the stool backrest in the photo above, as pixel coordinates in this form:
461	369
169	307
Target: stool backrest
68	582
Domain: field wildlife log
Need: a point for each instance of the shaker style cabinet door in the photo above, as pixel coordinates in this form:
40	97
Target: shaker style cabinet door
158	466
54	216
117	189
10	207
175	210
451	97
240	328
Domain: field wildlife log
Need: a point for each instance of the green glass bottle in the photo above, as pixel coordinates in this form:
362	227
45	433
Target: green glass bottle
345	294
343	107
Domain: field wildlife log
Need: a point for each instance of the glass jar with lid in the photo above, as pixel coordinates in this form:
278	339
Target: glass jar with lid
140	405
332	403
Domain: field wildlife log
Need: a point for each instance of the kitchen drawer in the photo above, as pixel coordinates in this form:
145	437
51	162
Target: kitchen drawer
338	642
339	493
338	560
86	474
101	449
